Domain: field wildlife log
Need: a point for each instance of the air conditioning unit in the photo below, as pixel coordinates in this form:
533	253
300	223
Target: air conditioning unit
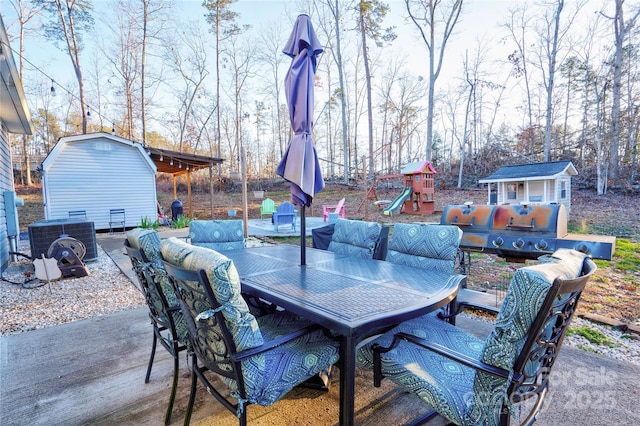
45	232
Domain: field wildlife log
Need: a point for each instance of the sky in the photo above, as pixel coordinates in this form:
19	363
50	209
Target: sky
481	19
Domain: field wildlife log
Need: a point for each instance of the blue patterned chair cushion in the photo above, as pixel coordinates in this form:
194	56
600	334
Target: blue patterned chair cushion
425	246
272	374
457	392
225	283
268	375
524	298
355	238
219	235
149	241
445	385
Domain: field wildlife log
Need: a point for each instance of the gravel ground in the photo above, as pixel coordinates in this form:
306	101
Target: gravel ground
34	304
31	305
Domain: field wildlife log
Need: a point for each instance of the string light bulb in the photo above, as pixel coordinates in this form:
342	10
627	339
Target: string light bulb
88	111
180	164
187	166
53	89
161	157
113	129
171	162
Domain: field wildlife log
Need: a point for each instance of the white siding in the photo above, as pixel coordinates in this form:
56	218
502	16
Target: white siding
6	184
98	174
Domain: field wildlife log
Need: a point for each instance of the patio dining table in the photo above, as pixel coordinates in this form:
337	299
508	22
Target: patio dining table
353	297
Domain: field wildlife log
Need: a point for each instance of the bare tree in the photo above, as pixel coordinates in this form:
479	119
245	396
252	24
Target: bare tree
70	19
240	58
271	56
124	53
336	52
370	14
551	50
25	13
189	61
472	81
425	14
621	28
517	27
552	34
151	10
223	22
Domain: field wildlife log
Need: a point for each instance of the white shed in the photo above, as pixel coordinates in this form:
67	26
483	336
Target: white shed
96	173
537	183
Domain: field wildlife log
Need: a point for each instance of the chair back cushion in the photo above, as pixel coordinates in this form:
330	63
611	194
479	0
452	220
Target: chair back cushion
148	240
425	246
225	284
219	235
525	296
355	238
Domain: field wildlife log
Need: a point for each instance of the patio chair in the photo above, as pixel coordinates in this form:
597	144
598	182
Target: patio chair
338	208
267	207
258	359
470	381
117	217
357	238
425	246
143	249
285	214
219	235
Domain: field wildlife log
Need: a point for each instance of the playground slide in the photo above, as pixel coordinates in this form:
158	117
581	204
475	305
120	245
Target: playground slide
394	207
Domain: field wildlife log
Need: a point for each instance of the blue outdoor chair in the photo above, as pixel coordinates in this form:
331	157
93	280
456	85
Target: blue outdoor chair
219	235
258	359
356	238
143	249
285	214
470	381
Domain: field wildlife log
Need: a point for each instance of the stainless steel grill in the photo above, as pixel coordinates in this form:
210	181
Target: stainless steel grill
520	232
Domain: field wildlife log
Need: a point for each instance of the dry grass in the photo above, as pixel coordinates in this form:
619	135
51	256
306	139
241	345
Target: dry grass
613	292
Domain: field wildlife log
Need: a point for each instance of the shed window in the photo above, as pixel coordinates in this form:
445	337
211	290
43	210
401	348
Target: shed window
512	191
563	189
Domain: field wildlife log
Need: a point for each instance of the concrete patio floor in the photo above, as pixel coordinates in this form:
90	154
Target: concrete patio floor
92	372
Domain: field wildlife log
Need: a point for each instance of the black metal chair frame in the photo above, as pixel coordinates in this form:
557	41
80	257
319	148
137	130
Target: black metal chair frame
164	327
227	364
540	349
114	218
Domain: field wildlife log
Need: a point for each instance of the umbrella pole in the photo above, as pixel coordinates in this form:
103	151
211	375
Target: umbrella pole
303	239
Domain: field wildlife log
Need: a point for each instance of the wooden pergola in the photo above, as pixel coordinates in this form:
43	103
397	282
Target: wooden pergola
181	163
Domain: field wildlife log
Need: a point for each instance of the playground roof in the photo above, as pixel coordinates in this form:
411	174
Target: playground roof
418	167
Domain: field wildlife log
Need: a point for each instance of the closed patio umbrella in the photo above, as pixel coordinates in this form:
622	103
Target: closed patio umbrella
300	165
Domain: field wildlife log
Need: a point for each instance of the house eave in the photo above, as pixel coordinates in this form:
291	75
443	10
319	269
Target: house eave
15	117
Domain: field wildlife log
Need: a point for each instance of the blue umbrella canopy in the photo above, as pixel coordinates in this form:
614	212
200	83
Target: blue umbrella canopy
300	165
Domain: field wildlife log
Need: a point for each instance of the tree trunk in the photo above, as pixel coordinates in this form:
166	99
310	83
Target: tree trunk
552	72
367	72
143	61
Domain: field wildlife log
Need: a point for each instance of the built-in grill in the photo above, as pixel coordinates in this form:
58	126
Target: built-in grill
520	232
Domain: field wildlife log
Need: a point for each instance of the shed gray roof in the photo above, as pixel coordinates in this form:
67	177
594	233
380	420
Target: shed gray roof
534	171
